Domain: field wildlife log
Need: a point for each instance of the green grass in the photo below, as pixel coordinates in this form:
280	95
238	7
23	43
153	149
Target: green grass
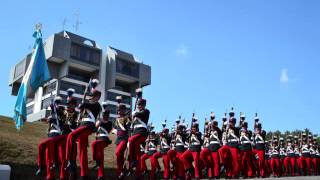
19	149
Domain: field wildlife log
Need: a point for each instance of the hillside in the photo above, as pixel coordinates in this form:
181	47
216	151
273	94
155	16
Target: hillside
19	149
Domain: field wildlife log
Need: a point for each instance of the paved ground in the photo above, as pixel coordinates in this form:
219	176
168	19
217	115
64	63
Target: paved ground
293	178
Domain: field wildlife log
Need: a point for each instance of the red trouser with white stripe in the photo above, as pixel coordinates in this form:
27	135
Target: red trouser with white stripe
246	163
205	158
134	151
211	160
313	165
233	166
305	165
46	156
176	160
166	163
189	156
81	135
97	148
60	145
289	163
121	148
275	166
261	161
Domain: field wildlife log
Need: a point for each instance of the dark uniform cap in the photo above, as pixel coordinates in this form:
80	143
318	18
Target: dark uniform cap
259	126
142	102
231	113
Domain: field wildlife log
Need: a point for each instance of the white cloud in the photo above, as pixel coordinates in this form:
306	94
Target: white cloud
284	78
182	51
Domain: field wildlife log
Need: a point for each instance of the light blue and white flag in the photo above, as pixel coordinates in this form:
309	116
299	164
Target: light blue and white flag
36	75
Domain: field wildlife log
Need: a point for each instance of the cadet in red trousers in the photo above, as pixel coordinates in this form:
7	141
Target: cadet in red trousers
193	153
283	154
233	144
122	126
313	158
259	149
305	156
246	151
68	123
165	141
175	154
139	135
289	161
214	146
275	158
102	140
90	111
151	149
205	156
46	149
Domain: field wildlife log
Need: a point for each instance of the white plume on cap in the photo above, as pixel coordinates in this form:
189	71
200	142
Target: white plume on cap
104	103
57	98
71	90
95	81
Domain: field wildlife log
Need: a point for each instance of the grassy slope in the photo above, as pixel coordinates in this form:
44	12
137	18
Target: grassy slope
19	149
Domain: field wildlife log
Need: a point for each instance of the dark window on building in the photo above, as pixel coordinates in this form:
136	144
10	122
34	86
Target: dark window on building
85	54
49	88
79	89
19	69
112	97
79	74
29	109
127	68
122	86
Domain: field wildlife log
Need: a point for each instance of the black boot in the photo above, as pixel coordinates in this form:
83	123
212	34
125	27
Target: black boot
84	178
97	164
100	178
71	165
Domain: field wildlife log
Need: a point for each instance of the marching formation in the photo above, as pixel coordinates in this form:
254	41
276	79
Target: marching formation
230	151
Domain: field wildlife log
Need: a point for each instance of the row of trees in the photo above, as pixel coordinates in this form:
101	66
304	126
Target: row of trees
287	133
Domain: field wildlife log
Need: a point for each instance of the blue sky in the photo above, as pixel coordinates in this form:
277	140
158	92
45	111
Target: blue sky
205	55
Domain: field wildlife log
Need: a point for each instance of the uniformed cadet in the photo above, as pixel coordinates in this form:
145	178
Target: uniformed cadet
193	153
68	123
122	125
104	127
259	148
205	156
305	156
139	135
290	161
150	150
246	153
275	157
46	149
175	154
90	111
282	154
215	143
233	144
165	141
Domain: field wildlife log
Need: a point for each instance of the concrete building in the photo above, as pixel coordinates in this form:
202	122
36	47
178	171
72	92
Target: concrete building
72	61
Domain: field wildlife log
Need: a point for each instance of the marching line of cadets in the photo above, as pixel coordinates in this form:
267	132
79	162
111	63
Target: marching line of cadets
230	152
